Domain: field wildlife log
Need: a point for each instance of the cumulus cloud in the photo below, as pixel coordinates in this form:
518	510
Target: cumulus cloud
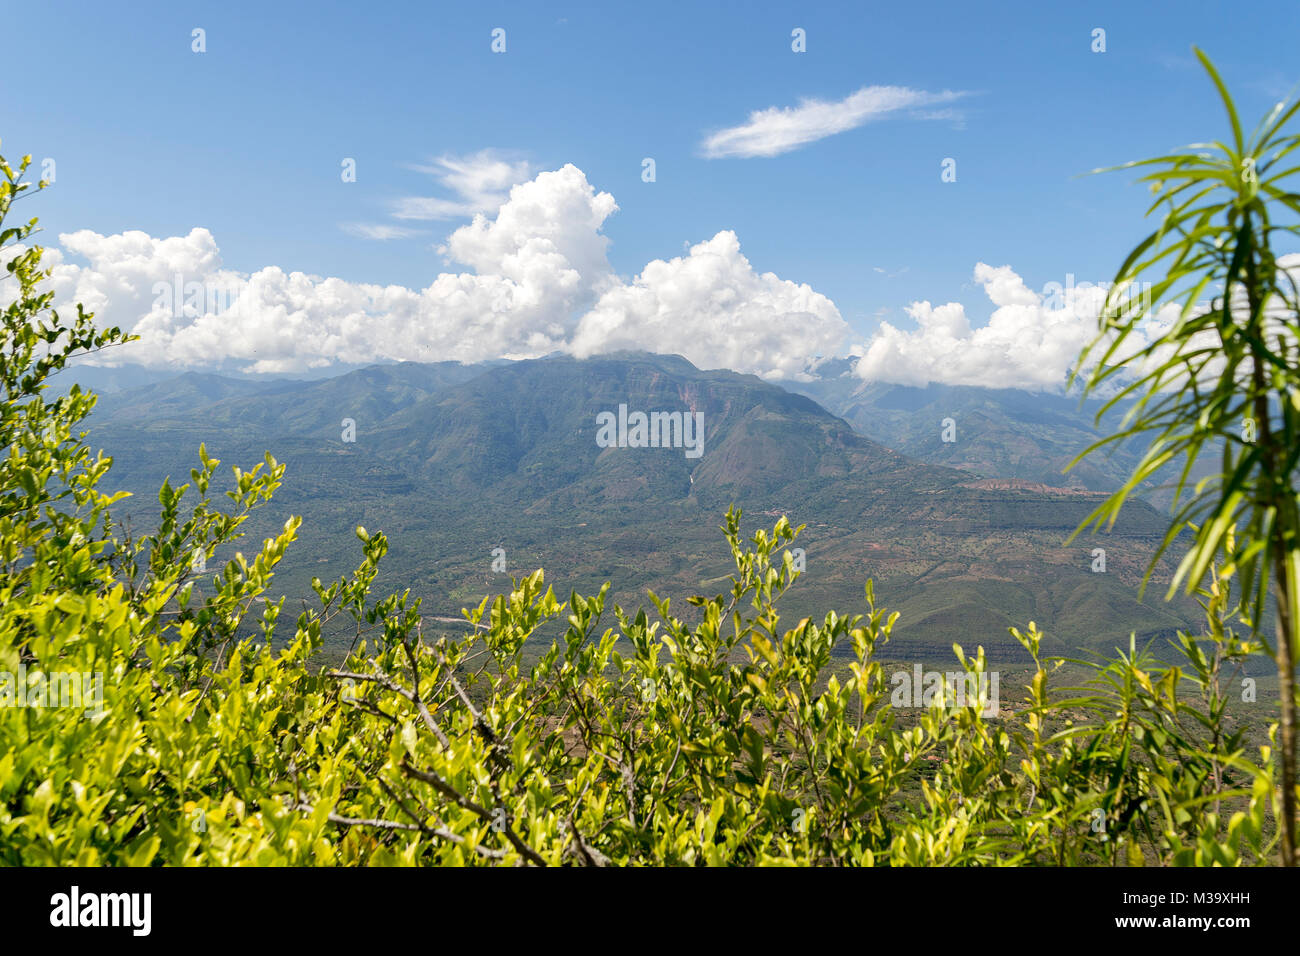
540	282
1031	341
547	232
713	308
538	262
777	130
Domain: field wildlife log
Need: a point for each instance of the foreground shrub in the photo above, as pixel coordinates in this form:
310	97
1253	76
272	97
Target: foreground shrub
152	714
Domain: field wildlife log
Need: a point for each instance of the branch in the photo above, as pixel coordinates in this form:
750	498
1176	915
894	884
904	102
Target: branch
441	832
447	790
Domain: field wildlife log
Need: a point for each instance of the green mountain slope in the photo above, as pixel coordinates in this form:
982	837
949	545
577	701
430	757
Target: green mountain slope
454	462
999	433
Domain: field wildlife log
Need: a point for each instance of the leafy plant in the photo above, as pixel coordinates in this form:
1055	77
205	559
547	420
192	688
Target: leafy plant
732	738
1216	350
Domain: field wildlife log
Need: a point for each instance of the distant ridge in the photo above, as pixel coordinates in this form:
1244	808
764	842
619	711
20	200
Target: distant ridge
455	461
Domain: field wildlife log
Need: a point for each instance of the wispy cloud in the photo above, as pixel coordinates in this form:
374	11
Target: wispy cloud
478	183
380	231
1276	85
1172	61
777	130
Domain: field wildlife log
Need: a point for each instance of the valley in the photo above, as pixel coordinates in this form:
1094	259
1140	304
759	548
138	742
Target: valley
455	462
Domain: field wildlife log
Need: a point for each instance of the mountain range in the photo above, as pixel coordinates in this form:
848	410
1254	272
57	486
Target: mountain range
454	462
1005	433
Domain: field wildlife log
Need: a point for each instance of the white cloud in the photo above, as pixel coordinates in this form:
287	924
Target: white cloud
541	260
713	308
1031	340
380	231
548	231
479	182
540	282
777	130
1026	343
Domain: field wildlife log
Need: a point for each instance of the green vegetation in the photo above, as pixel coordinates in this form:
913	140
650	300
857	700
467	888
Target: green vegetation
1028	438
985	557
217	734
1227	376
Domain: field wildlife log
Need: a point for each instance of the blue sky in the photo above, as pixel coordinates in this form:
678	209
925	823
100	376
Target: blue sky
246	139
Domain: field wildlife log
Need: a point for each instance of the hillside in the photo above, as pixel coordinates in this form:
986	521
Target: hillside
454	461
999	433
